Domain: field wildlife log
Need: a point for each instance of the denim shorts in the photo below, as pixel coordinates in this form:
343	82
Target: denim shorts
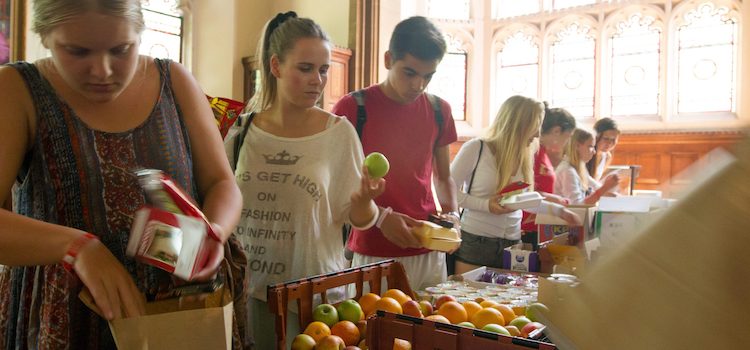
481	250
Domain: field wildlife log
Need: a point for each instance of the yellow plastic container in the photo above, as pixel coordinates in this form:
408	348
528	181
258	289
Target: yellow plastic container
436	237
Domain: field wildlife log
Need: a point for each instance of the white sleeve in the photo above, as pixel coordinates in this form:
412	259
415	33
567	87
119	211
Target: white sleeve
461	169
570	185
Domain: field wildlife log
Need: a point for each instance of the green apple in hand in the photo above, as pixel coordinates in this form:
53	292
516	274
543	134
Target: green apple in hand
377	165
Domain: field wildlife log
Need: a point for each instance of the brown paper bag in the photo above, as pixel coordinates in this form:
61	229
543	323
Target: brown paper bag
682	283
177	324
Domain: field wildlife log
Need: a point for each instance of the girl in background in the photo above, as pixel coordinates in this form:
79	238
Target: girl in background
557	127
299	170
607	134
573	180
484	166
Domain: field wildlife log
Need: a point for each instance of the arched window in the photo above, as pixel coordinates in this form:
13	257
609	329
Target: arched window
448	9
632	64
572	51
449	81
164	29
513	8
706	58
516	64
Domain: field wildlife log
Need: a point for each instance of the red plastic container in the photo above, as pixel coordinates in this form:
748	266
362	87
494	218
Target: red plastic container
384	327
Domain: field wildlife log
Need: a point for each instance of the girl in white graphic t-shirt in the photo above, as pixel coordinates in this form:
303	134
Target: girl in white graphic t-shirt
299	170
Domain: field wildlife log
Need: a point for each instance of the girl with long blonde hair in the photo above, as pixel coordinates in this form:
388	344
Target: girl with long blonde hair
573	179
482	168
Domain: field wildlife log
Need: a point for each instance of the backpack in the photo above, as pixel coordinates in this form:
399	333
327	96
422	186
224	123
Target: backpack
236	137
359	96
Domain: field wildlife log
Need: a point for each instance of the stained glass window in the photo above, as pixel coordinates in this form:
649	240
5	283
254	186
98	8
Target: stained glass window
706	61
449	81
163	35
572	84
562	4
517	67
512	8
448	9
634	69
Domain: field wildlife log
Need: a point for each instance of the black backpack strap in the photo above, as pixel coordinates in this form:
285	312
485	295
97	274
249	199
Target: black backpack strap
359	96
436	106
240	139
473	172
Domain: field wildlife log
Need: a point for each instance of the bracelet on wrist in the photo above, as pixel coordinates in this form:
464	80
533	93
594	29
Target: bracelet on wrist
382	216
69	260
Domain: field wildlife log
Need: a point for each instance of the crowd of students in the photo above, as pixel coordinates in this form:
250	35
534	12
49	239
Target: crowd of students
77	124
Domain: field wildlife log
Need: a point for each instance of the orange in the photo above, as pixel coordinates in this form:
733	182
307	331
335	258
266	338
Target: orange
348	331
388	304
486	316
453	311
367	302
471	308
437	318
397	294
507	311
318	330
488	303
400	344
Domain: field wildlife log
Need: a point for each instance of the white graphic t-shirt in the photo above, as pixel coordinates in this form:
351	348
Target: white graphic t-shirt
296	197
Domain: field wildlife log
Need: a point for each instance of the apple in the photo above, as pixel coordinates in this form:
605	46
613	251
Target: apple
519	322
350	310
325	313
303	342
352	347
466	324
426	307
377	165
363	344
412	308
513	330
443	299
494	327
535	310
330	342
437	318
530	327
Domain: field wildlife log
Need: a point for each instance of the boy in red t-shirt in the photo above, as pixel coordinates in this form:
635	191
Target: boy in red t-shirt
401	124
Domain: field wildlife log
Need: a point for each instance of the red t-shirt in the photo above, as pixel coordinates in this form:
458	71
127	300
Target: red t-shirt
405	134
544	181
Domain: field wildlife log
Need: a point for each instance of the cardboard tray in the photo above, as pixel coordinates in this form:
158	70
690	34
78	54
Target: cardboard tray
384	327
303	290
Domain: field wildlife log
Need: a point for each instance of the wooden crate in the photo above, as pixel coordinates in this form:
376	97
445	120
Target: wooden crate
303	290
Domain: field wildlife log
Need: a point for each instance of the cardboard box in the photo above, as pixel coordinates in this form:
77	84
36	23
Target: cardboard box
620	218
551	226
520	257
560	256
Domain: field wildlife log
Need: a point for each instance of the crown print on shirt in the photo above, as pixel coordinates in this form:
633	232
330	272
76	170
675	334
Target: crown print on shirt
281	158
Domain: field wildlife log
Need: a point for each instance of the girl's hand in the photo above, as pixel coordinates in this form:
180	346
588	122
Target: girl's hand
496	208
111	286
215	256
610	182
369	188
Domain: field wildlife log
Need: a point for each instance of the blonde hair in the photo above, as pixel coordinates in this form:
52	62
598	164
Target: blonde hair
518	119
48	14
571	151
279	36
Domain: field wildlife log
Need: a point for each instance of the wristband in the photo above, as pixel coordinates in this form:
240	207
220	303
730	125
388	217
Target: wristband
382	216
372	221
70	256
